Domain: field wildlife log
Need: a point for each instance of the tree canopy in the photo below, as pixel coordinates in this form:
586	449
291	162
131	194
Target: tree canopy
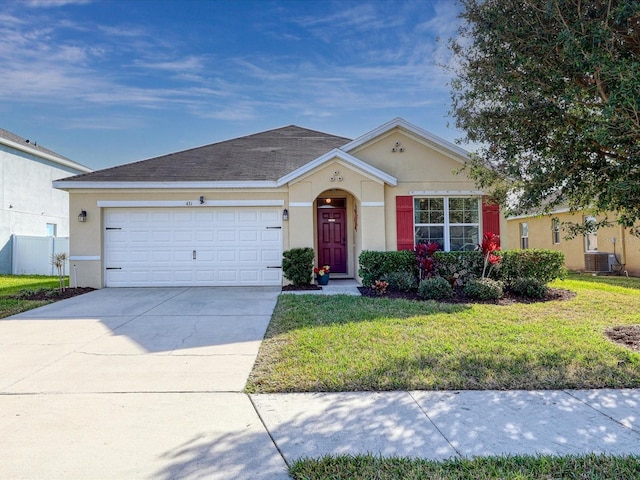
550	90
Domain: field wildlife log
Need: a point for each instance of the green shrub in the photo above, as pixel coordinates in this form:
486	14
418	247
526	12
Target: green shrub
375	264
459	267
402	281
484	289
435	288
544	265
297	265
529	287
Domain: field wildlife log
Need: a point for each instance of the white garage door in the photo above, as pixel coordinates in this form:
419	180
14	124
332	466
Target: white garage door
205	246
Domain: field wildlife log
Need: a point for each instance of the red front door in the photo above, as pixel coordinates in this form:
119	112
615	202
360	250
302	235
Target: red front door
332	239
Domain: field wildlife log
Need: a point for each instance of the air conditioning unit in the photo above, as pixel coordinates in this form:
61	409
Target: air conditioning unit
598	262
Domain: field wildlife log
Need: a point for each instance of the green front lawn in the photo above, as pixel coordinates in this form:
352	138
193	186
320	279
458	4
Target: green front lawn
340	343
10	285
544	467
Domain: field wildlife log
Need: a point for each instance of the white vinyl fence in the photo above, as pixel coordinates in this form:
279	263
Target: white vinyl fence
32	255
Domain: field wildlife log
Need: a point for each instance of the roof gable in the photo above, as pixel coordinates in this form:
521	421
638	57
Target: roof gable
439	144
347	159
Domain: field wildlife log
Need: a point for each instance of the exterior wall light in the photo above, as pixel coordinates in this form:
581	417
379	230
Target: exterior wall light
285	215
83	216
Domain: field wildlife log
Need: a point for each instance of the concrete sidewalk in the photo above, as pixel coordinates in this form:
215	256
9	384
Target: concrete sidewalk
441	425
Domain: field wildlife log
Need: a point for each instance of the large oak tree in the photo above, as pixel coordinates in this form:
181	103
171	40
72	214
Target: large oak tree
550	90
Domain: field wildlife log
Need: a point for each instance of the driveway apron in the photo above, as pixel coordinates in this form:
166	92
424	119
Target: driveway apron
136	383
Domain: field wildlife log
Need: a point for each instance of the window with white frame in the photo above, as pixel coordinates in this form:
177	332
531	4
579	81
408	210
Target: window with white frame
591	236
555	231
452	222
524	235
52	230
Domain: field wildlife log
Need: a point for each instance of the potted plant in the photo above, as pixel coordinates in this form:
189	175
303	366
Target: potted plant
322	274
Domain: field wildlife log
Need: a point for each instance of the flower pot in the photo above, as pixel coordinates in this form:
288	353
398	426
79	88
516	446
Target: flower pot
323	279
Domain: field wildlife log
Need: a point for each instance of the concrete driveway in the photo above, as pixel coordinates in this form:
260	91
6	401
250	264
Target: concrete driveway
136	383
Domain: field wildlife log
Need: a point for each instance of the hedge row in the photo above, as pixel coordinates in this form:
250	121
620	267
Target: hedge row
461	267
374	265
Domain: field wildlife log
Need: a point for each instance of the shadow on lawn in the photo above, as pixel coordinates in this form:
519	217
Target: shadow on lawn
309	311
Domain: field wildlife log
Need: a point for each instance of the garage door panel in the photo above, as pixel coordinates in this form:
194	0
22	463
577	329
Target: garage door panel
250	256
250	217
225	217
227	276
248	236
182	236
270	217
154	246
249	276
204	236
225	235
272	257
160	216
160	236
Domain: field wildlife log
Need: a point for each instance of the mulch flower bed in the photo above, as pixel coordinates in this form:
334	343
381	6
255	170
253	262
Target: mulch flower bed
626	335
459	296
54	294
291	288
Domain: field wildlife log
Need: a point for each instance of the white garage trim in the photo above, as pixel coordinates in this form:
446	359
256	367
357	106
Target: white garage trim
189	203
78	258
208	246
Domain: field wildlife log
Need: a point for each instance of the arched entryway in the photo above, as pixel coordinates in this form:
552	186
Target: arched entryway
336	215
332	233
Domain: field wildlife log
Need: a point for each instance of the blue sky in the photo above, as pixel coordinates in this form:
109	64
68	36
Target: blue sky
111	82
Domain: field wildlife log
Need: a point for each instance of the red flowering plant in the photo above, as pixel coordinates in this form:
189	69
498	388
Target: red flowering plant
489	246
424	259
320	271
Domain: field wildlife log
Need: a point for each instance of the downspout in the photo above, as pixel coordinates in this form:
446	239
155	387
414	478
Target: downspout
624	248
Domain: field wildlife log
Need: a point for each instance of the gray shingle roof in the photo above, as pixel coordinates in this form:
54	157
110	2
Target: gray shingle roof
6	134
262	156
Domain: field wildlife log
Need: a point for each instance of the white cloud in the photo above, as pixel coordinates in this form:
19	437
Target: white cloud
54	3
190	63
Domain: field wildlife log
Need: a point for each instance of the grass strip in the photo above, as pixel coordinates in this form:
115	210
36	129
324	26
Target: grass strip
517	467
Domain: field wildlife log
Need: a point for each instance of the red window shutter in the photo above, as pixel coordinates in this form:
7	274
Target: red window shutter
404	222
490	217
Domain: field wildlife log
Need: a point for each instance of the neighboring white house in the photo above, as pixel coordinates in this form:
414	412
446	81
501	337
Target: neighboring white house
29	205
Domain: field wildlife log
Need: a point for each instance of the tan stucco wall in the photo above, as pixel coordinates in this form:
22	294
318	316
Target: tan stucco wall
420	167
626	247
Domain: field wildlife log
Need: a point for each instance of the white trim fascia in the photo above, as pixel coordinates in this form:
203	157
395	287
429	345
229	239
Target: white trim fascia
70	184
345	157
45	156
301	204
459	154
79	258
533	215
448	193
372	204
189	203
